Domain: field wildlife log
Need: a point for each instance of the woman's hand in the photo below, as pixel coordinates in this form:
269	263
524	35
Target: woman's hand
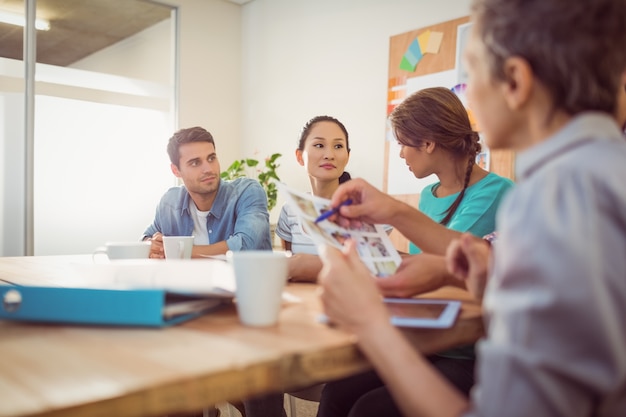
304	267
350	297
369	204
468	258
417	274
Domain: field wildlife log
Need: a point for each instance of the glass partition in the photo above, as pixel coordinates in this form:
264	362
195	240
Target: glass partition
12	134
104	107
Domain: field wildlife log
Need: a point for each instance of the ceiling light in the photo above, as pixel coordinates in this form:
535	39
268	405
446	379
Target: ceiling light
20	20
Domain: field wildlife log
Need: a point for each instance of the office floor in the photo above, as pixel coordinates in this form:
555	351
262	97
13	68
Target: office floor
303	409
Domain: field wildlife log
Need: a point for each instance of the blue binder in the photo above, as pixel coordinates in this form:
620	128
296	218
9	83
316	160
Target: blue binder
111	307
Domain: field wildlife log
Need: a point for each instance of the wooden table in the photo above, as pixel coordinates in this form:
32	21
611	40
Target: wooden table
60	370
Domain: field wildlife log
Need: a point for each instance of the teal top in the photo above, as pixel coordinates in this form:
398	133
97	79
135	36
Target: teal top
477	212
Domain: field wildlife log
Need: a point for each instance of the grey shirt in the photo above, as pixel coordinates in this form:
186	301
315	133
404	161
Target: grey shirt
289	228
556	302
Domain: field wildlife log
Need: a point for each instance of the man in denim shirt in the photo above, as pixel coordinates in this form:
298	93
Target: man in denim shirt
222	215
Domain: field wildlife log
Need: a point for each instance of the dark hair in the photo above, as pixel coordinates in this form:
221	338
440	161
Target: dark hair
437	115
345	176
191	134
306	129
575	48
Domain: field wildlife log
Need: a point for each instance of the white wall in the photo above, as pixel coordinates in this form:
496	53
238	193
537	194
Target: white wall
210	71
305	58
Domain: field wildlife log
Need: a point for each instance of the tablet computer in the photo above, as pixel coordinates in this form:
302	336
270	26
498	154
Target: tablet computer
422	312
419	312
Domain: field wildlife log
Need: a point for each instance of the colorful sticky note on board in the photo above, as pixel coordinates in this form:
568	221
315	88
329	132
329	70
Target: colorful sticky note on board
422	38
408	64
411	57
426	42
434	42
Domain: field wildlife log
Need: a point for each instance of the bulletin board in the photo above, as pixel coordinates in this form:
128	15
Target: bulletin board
421	58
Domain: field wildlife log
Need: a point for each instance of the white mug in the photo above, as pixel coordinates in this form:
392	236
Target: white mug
178	247
124	250
260	277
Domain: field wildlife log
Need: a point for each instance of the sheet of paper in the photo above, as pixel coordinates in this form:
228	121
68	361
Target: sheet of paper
208	277
373	243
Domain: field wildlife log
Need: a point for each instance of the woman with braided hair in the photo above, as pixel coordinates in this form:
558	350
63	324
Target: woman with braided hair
434	131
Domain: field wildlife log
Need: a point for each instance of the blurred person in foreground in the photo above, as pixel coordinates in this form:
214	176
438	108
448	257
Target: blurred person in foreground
556	295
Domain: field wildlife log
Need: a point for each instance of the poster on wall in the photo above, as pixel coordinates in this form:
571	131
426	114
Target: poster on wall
429	57
462	34
483	159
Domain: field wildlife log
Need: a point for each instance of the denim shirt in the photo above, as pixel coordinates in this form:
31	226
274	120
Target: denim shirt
239	215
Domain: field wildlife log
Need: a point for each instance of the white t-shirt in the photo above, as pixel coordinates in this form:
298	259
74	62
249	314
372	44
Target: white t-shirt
201	237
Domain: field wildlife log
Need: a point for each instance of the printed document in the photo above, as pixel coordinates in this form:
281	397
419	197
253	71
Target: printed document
373	243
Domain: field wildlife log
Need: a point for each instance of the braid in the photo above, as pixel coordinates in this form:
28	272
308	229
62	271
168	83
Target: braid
473	150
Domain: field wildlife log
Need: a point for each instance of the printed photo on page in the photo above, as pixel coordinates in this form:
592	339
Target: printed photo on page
373	243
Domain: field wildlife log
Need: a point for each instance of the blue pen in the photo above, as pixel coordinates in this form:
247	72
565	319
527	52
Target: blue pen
332	211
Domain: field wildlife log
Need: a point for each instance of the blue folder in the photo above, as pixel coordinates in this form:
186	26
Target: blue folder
111	307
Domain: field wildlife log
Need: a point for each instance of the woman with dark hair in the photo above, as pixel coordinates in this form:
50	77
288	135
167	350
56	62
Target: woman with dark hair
323	149
434	131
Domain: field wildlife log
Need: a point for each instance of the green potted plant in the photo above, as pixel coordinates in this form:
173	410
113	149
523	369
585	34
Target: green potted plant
265	174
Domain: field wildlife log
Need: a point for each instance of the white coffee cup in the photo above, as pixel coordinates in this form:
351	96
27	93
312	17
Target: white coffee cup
124	250
260	277
178	247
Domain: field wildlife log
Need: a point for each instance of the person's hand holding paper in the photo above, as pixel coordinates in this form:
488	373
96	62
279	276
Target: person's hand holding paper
418	274
368	204
344	273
